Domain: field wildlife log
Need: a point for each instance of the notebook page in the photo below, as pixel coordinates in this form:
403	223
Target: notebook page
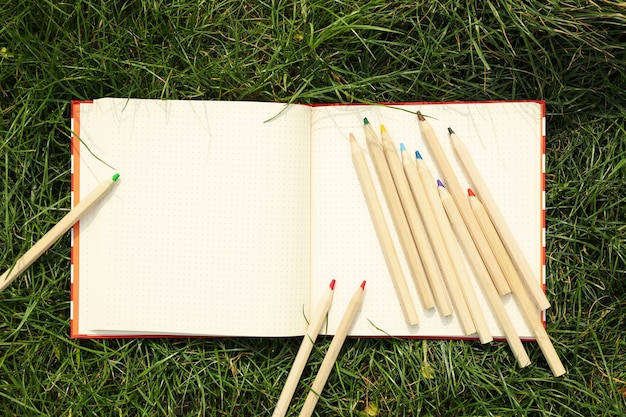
207	230
504	140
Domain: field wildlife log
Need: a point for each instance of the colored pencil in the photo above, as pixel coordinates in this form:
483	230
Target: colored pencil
458	261
390	193
529	311
333	351
439	247
383	234
461	201
512	247
56	232
312	331
416	226
497	307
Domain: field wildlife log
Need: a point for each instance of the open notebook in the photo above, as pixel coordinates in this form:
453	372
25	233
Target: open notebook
231	218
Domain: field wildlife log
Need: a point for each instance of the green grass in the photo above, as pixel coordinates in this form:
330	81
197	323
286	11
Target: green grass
571	54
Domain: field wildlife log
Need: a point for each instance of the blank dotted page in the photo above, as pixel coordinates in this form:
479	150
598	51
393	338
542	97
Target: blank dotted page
504	140
208	229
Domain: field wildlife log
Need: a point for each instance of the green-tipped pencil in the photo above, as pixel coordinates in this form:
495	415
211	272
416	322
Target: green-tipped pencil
56	232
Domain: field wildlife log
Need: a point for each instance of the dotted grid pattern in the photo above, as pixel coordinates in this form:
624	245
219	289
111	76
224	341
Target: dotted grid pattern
501	137
207	230
503	140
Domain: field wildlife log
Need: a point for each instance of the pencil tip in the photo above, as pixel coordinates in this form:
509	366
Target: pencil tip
115	177
439	183
352	138
363	285
332	285
382	128
450	131
420	117
402	147
470	193
418	155
365	121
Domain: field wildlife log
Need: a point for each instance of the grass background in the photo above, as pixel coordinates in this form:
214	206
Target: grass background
571	54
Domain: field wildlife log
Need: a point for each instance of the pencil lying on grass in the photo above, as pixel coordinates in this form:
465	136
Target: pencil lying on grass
439	247
416	226
383	234
377	155
458	262
497	307
461	201
519	292
516	254
333	351
312	331
56	232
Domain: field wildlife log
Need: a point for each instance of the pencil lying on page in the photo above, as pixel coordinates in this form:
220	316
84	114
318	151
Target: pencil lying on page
497	307
529	311
56	232
458	262
461	201
333	351
439	248
506	265
416	226
383	234
377	155
313	329
517	256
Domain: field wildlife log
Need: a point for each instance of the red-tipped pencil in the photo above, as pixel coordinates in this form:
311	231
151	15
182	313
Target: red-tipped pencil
517	256
317	320
495	302
333	351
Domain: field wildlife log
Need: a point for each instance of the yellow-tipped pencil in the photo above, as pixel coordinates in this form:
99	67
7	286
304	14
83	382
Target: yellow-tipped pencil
377	155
